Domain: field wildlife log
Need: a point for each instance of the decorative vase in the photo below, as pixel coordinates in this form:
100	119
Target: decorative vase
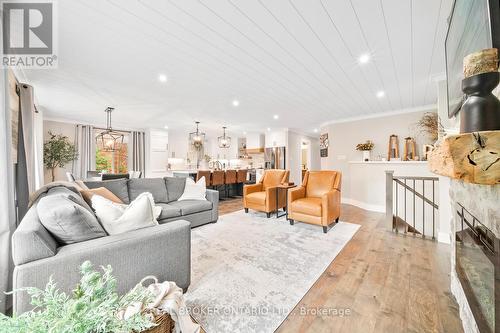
481	109
366	155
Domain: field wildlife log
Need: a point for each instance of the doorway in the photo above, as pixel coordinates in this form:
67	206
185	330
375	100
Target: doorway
305	160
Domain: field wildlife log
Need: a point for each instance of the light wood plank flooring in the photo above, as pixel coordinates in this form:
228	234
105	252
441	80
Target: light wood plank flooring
388	282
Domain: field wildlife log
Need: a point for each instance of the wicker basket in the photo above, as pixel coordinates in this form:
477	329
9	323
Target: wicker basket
164	322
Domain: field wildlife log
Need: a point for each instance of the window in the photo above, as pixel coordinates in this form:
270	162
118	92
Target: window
112	161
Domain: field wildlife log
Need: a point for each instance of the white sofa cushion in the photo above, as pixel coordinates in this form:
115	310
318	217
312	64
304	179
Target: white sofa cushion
118	218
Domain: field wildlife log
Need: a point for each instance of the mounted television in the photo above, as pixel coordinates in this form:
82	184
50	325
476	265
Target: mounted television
473	25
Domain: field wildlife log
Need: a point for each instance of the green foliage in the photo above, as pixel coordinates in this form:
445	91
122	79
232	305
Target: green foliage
57	152
102	161
92	308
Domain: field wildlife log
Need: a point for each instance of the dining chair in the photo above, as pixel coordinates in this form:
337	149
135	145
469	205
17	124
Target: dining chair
230	181
217	179
207	174
241	179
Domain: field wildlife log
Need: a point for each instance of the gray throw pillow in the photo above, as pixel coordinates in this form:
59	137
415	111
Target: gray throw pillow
118	187
155	186
76	197
175	187
68	221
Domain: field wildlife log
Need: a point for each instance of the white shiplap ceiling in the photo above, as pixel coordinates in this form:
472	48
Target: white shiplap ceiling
294	58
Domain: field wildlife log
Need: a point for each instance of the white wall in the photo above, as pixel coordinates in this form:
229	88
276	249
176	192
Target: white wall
255	140
366	186
294	155
344	137
276	138
66	129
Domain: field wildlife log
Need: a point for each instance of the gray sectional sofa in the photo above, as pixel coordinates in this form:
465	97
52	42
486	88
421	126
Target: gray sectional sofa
165	192
163	251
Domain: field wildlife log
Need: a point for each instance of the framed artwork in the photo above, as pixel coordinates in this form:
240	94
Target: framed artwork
323	145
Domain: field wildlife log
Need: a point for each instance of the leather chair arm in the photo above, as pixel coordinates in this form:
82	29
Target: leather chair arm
330	202
296	193
247	189
270	199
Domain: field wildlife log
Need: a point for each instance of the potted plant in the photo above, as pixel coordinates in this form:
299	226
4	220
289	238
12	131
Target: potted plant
365	148
57	152
94	307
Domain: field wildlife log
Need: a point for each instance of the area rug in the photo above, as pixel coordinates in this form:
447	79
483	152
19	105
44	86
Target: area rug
249	272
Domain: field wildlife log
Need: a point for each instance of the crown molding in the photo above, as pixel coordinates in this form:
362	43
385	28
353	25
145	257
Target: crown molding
381	114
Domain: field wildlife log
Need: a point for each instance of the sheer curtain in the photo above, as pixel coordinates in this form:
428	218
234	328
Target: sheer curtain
138	152
85	145
7	206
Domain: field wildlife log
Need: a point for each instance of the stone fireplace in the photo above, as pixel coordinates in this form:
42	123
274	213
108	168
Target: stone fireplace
475	255
476	265
472	162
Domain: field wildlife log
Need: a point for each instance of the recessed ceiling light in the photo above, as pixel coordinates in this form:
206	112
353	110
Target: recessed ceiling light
165	127
244	133
364	58
236	102
162	78
276	116
315	130
268	129
380	94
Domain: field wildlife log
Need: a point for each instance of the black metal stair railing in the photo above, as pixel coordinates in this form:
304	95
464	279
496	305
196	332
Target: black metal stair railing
411	204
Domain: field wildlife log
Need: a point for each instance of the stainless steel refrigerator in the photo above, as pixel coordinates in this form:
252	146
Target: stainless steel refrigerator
274	158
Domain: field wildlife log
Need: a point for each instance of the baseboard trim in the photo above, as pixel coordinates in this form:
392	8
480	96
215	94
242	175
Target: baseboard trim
364	205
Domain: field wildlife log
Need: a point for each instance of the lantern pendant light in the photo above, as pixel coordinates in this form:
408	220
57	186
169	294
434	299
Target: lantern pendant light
224	140
109	140
197	138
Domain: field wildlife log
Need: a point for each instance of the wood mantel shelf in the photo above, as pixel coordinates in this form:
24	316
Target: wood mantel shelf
471	157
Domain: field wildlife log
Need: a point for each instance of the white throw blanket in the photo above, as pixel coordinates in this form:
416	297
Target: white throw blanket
168	297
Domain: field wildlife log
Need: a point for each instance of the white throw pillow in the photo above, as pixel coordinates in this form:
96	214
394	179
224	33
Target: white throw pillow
194	191
118	218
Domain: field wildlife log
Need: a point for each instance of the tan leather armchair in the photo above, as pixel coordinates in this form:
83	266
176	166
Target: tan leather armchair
262	196
317	200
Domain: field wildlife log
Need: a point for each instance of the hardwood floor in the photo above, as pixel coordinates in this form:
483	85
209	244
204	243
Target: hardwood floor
387	282
230	205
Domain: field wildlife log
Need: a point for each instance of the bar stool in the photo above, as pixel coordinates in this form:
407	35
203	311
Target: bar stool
230	180
217	179
207	174
241	179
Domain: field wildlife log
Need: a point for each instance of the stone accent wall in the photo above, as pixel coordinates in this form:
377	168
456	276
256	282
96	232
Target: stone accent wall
482	202
468	321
